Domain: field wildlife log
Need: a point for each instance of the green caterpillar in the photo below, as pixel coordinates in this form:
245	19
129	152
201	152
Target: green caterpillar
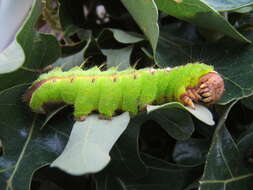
130	90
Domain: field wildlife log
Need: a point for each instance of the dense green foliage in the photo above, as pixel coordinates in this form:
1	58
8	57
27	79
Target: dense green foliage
167	149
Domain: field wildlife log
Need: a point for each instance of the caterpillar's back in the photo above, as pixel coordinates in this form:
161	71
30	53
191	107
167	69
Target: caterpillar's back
130	90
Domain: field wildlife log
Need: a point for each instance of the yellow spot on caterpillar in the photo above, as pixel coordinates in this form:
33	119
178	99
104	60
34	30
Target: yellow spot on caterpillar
178	1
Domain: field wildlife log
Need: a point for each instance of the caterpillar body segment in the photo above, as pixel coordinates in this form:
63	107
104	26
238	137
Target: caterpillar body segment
130	90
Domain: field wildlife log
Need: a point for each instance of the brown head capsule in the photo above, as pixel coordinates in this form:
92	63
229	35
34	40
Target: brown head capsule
208	91
211	88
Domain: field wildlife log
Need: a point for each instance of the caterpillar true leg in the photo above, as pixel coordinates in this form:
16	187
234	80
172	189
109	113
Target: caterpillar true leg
186	100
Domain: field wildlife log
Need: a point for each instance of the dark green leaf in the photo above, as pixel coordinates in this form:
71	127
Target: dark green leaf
126	162
176	122
25	146
248	102
162	175
191	151
225	165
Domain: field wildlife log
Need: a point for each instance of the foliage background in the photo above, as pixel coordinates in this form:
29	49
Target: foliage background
168	149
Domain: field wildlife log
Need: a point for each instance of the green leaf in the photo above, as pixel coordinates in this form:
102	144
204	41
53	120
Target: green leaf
119	58
162	175
201	14
76	59
200	112
248	102
176	122
225	167
145	14
90	142
126	162
39	49
227	5
191	151
26	147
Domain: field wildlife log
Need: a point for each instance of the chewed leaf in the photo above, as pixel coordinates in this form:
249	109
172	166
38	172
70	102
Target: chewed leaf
200	112
90	142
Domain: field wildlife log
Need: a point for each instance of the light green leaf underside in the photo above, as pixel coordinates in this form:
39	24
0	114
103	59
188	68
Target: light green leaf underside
201	112
90	142
227	5
119	58
11	58
125	37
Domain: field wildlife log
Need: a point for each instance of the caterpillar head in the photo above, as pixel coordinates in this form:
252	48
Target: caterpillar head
208	91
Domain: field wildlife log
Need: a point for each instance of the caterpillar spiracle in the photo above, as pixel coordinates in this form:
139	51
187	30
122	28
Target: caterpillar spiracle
130	90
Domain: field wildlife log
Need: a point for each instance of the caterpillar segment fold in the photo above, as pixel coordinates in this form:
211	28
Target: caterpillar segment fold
111	91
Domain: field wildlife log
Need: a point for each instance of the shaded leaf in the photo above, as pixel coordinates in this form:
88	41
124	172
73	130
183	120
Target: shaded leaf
162	175
248	102
146	18
25	146
76	59
126	162
191	151
225	167
119	58
201	14
175	121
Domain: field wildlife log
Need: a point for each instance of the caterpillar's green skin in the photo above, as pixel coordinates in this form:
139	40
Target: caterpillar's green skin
108	91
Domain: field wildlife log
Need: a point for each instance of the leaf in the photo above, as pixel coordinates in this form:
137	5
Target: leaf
11	58
126	162
125	37
248	102
146	18
40	50
191	151
90	142
119	58
201	112
162	175
201	14
76	59
226	5
26	147
225	167
8	31
51	115
176	122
